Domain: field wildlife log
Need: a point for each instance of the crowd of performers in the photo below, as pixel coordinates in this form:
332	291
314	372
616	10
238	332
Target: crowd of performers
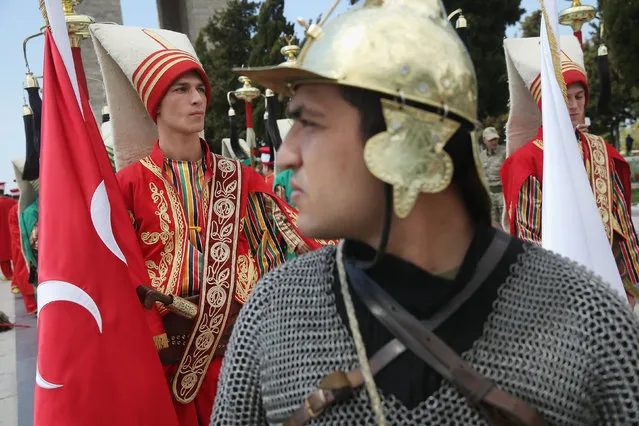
413	217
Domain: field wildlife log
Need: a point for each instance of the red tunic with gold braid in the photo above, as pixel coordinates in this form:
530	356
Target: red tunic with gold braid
522	177
214	231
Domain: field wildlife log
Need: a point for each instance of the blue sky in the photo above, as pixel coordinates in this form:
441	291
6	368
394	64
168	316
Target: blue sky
19	19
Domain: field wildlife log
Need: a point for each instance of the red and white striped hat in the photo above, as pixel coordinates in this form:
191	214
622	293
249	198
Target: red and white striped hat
138	66
523	62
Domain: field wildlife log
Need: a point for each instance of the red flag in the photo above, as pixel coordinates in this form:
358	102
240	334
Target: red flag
97	364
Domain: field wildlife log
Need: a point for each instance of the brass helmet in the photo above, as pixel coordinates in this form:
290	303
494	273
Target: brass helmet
408	51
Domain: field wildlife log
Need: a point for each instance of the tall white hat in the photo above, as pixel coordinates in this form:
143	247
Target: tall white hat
138	66
523	63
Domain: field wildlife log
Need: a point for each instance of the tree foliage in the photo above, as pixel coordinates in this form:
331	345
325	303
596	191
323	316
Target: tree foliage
622	37
239	36
225	43
624	101
531	24
266	46
234	37
486	32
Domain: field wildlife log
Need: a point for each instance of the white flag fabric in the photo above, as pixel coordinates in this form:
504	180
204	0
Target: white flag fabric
571	223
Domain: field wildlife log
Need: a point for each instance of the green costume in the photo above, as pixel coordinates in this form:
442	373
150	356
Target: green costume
28	221
283	179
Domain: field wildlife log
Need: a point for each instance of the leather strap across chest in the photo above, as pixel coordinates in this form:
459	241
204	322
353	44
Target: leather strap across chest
498	406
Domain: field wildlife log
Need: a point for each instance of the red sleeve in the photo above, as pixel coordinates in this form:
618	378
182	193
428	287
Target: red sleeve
126	181
623	172
526	162
252	181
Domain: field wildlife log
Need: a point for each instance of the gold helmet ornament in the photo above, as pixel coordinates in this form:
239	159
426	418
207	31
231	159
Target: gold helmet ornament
408	51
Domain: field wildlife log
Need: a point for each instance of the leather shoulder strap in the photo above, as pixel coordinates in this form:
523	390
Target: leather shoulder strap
498	406
340	386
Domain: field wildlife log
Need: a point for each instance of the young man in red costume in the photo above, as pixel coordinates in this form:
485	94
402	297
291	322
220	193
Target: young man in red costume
522	172
6	203
267	165
209	227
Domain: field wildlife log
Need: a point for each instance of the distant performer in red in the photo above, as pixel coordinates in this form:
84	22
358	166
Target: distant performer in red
522	172
268	165
20	271
6	203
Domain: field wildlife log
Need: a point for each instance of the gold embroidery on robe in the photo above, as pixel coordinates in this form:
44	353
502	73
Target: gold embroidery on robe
247	277
600	178
179	240
158	271
220	280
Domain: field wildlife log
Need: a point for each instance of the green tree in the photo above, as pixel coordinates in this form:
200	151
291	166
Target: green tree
486	32
265	48
624	98
622	37
224	43
530	26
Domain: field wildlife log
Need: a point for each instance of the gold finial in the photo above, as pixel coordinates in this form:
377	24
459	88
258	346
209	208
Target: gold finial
461	22
247	92
289	39
77	25
577	15
30	81
26	110
290	51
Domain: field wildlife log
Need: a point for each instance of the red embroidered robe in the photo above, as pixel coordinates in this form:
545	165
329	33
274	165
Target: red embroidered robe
522	177
246	228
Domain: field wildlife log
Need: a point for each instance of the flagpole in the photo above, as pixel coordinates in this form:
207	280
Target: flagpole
247	93
571	222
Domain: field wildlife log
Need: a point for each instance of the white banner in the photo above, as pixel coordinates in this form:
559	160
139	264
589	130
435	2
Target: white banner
571	222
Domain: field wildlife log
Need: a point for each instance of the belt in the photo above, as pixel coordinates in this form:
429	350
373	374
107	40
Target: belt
178	332
495	188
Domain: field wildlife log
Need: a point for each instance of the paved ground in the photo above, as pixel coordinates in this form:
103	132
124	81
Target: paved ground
18	349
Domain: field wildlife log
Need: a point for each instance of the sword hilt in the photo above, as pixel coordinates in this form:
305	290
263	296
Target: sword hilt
178	305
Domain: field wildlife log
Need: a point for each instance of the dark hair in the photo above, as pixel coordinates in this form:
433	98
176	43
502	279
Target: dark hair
459	147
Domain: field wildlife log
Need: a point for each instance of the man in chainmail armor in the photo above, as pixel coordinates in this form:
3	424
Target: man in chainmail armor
424	314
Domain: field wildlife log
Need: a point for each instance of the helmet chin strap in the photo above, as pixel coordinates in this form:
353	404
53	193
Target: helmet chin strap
383	242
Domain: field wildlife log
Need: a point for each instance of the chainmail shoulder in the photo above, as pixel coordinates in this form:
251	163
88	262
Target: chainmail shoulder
558	338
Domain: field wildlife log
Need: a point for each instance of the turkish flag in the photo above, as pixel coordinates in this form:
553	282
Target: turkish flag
97	364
